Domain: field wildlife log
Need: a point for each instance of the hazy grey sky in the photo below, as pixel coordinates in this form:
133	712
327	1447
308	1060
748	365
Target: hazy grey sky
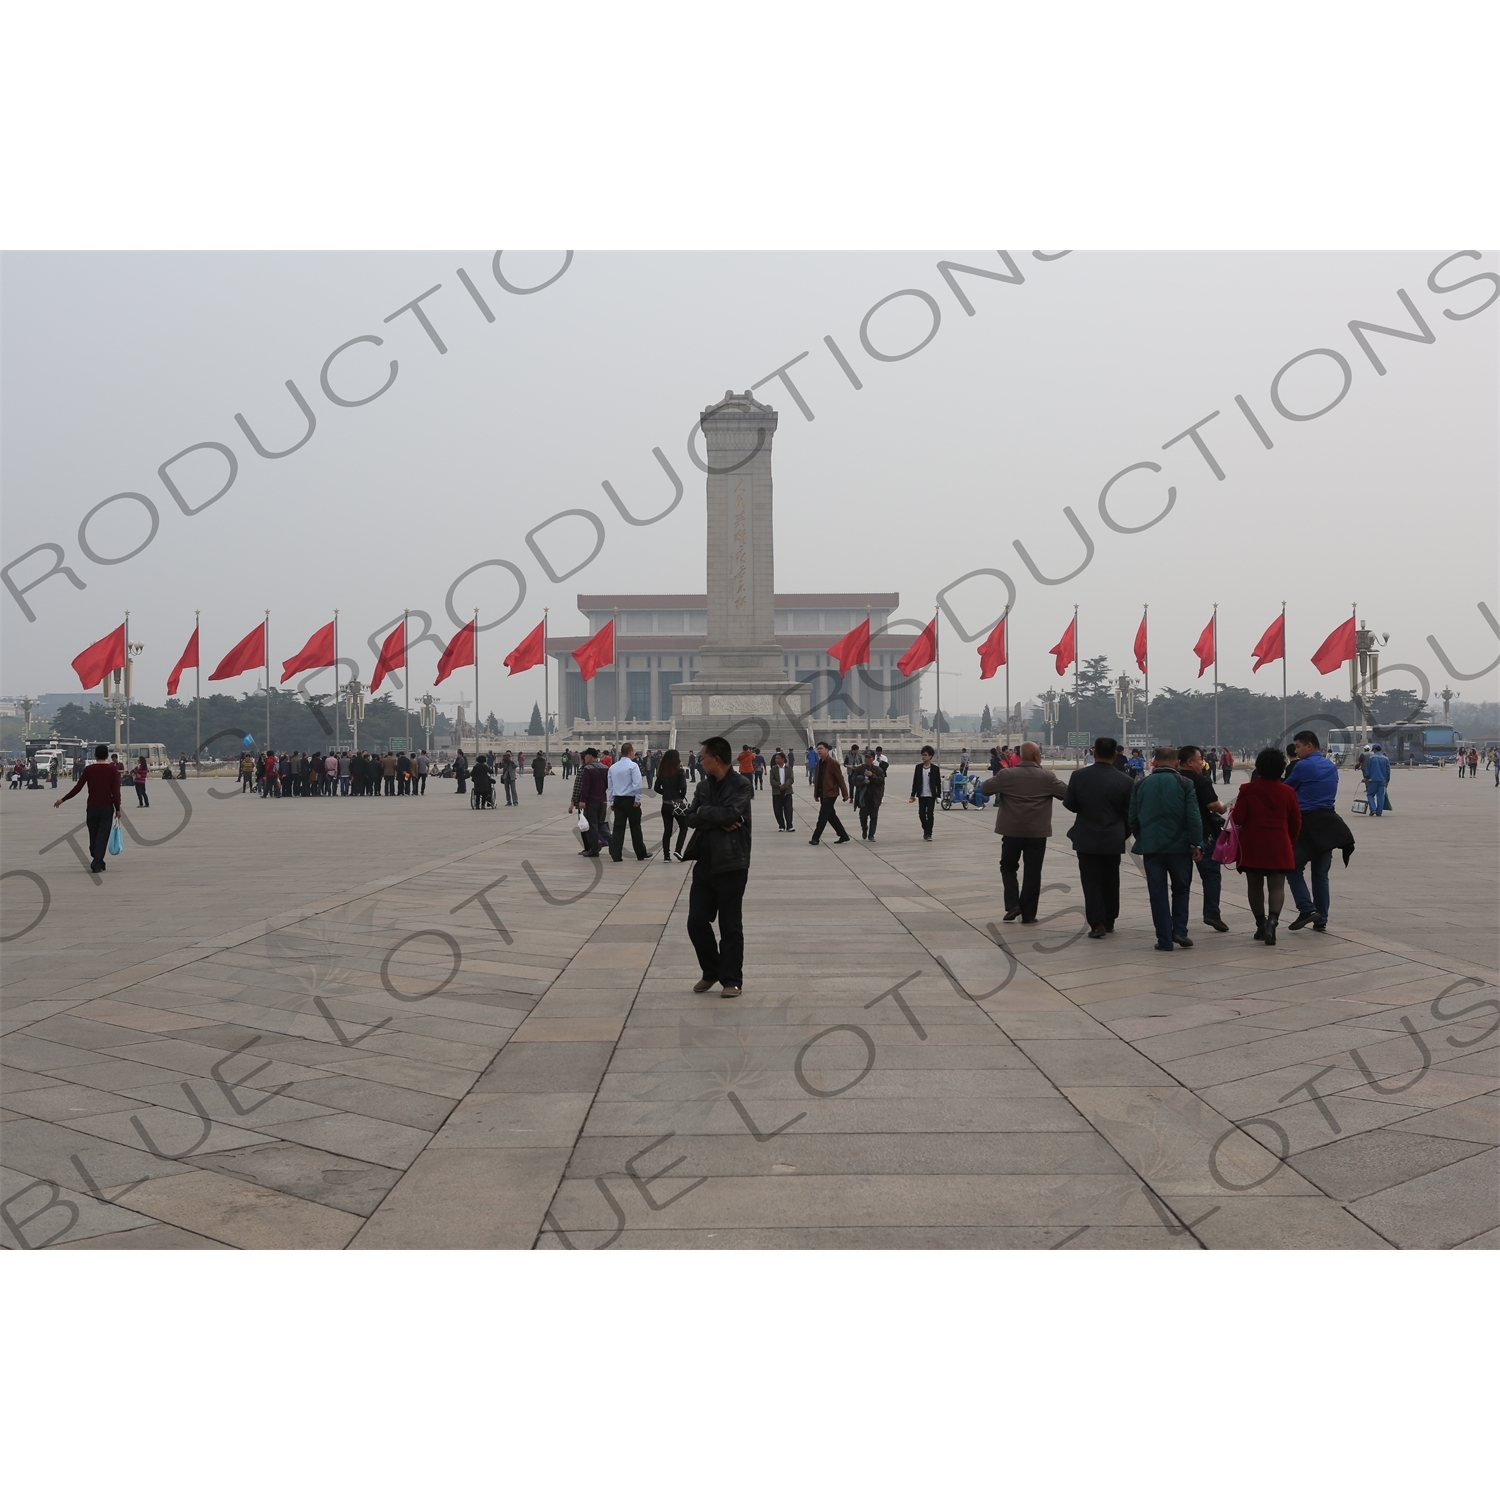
112	363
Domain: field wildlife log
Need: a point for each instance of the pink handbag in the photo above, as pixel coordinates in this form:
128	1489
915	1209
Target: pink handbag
1227	846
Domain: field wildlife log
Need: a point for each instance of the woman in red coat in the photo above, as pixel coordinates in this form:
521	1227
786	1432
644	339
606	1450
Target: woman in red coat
1269	820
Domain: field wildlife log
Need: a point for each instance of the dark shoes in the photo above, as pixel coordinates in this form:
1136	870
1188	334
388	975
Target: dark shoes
1164	948
704	985
1217	923
1269	935
1303	919
1098	932
1012	914
1182	942
730	991
843	840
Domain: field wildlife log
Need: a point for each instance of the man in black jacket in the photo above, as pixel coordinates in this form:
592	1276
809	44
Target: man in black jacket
927	787
720	849
1192	763
1100	796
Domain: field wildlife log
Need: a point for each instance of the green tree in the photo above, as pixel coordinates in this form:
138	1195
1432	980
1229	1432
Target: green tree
1094	679
535	726
986	724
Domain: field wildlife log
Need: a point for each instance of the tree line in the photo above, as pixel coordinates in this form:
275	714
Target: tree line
297	723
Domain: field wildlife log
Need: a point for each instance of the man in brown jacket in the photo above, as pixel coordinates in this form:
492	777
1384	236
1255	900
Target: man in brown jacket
1024	822
828	788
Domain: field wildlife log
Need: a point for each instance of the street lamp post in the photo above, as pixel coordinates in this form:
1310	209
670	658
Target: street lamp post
1125	707
1051	705
428	717
354	707
1364	672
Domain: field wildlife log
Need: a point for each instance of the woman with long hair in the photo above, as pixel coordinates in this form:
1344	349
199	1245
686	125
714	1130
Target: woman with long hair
671	787
1269	820
139	777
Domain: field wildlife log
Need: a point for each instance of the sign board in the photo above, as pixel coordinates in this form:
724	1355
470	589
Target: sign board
1079	741
398	744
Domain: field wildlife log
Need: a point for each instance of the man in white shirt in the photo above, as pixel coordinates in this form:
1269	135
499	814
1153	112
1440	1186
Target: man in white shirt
625	805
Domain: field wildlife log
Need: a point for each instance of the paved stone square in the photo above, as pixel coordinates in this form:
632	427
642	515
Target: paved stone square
377	1024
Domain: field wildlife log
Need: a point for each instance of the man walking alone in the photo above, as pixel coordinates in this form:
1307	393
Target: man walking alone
828	788
720	851
926	786
1023	820
1168	833
1377	772
103	806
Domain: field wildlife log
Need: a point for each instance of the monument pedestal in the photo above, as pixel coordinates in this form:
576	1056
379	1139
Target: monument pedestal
741	691
761	714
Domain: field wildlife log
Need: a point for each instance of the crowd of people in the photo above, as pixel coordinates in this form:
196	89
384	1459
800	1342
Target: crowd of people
1280	831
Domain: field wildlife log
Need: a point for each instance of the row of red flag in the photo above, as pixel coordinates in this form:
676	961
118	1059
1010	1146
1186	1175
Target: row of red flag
854	648
95	663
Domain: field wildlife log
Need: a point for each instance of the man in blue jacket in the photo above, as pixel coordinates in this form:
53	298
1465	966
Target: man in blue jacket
1315	780
1377	774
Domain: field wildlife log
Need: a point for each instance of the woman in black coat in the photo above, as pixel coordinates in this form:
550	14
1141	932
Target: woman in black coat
671	787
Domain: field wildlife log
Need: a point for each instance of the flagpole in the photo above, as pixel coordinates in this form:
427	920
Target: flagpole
405	613
867	673
1146	672
1006	622
937	674
1283	671
266	647
614	646
198	699
1216	676
546	697
335	683
124	680
476	684
1077	705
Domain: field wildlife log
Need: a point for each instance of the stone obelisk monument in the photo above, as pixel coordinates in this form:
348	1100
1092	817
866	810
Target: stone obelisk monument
742	691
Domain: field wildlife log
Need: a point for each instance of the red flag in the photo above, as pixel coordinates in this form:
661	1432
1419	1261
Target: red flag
921	653
102	658
598	651
992	652
318	652
1337	649
1140	647
1204	650
854	649
393	655
251	652
460	653
189	658
1065	650
1272	645
529	653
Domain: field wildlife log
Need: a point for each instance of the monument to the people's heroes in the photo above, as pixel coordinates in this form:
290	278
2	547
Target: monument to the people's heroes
742	690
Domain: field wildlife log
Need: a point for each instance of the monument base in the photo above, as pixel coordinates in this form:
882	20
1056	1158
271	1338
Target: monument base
762	713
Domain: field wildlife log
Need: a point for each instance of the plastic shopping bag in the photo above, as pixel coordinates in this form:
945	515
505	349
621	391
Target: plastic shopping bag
583	821
116	840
